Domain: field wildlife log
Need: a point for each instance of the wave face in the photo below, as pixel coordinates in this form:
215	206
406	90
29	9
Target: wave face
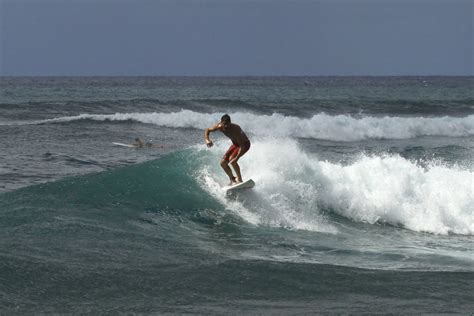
320	126
354	210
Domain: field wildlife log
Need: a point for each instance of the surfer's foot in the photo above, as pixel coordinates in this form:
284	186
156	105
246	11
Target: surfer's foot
233	181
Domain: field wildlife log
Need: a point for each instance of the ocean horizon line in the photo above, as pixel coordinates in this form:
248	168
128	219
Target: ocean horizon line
236	76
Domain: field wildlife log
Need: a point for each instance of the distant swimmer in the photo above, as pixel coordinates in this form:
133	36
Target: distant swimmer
240	145
140	144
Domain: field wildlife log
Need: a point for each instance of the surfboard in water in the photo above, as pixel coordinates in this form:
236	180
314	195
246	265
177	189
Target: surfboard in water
239	186
124	145
146	145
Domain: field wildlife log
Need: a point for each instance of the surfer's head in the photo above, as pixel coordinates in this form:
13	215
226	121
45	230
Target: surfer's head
225	120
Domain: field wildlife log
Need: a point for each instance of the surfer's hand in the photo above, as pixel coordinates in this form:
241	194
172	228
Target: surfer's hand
209	143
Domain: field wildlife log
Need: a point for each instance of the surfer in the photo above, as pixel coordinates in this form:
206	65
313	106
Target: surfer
240	145
140	144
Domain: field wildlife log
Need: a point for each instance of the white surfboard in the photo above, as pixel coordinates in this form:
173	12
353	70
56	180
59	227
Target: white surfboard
239	186
124	145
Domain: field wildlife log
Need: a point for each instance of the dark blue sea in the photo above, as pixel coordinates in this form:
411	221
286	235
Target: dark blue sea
363	203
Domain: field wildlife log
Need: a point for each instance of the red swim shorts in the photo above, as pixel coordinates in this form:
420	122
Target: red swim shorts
234	150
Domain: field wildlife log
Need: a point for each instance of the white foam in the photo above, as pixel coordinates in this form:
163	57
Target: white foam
436	199
319	126
265	204
292	188
212	186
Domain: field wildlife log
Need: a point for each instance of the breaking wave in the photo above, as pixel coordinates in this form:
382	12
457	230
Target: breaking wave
320	126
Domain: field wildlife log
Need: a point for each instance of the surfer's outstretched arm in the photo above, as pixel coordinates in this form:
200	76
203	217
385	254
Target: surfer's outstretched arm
214	128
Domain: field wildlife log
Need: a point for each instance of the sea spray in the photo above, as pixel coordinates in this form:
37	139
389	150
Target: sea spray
294	189
392	189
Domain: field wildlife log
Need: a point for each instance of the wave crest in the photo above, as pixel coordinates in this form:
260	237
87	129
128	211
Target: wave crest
319	126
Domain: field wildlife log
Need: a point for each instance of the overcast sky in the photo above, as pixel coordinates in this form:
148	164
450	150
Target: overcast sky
230	37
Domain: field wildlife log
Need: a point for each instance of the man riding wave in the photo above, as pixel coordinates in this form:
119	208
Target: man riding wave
240	145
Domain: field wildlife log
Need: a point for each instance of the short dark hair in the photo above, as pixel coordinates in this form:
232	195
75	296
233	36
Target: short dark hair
225	118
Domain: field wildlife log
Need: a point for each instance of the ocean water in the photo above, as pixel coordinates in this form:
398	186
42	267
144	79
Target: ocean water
364	196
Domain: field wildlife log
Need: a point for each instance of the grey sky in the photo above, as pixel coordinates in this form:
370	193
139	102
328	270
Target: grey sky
138	37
